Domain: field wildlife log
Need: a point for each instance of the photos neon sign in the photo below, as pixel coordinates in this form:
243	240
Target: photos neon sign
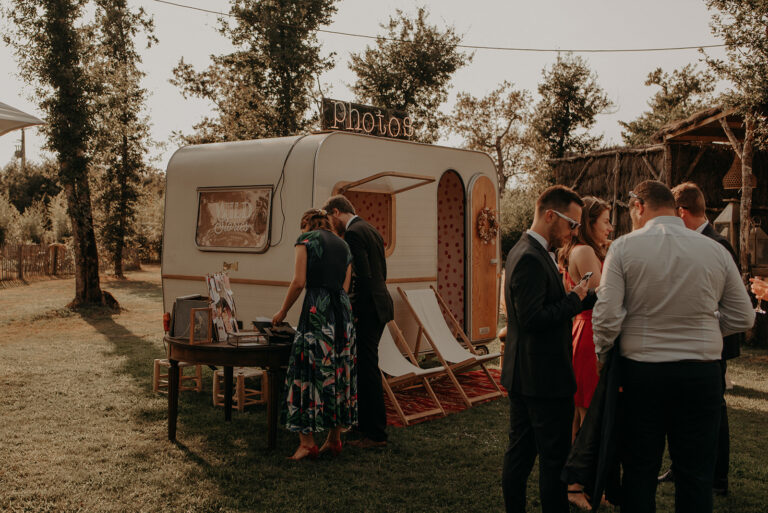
365	119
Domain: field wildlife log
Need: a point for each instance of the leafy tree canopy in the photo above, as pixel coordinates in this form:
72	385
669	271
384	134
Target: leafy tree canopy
265	87
35	182
681	94
495	124
571	98
743	27
410	69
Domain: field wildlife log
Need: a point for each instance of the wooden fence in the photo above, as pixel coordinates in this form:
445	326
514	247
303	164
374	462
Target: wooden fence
22	261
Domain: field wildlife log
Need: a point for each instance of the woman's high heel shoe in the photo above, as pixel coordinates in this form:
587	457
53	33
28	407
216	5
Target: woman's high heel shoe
310	453
333	447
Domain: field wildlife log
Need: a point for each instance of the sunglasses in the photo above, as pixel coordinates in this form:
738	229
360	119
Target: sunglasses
573	225
632	195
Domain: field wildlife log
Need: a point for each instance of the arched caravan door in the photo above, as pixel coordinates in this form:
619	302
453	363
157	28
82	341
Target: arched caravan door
483	263
451	249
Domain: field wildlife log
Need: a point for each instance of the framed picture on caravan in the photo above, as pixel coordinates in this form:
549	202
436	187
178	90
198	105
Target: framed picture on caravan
234	218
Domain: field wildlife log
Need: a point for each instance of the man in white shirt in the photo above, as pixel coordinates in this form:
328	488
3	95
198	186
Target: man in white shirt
671	294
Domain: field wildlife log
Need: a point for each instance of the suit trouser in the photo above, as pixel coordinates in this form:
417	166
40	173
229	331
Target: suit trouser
680	401
724	439
372	413
537	426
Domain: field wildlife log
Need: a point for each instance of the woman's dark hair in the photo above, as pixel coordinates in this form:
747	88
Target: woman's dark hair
316	219
591	211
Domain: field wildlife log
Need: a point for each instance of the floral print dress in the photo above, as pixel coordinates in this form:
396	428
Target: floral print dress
321	381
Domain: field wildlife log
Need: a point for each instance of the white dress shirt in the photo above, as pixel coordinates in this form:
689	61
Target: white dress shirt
346	227
660	290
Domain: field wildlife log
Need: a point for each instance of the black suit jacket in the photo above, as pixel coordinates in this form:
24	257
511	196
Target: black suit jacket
369	264
537	357
731	343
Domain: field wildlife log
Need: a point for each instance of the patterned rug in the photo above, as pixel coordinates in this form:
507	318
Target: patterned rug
416	399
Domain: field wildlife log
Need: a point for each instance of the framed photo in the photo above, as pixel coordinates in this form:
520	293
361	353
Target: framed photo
201	326
234	218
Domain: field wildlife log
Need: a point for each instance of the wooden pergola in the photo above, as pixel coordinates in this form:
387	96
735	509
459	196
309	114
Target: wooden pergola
722	125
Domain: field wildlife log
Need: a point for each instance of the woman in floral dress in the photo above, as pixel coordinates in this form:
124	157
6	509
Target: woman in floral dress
321	382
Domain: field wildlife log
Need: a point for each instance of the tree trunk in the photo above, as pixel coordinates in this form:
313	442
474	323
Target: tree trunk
502	177
87	286
745	212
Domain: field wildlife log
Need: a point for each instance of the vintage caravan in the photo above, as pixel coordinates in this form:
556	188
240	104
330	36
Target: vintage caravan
237	206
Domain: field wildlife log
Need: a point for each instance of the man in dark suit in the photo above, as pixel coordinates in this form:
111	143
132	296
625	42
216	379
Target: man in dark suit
537	371
692	209
372	308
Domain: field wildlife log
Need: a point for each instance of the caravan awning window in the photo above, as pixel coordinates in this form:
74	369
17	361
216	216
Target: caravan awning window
388	182
374	199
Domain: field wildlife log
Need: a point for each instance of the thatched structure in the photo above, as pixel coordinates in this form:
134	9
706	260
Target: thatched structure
689	150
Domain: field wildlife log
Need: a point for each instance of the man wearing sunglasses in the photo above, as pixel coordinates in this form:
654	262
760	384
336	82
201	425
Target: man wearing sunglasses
537	370
671	294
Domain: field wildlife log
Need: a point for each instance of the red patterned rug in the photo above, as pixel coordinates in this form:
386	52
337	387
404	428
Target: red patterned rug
416	399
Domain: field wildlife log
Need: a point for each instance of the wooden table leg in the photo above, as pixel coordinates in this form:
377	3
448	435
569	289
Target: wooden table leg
173	399
275	378
227	393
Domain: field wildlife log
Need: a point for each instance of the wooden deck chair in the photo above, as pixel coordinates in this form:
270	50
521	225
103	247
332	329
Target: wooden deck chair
423	304
399	371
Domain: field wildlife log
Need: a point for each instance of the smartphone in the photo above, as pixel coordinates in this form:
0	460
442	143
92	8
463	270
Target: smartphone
587	275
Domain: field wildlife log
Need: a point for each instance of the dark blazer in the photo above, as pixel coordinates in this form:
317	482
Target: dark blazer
537	357
731	343
369	264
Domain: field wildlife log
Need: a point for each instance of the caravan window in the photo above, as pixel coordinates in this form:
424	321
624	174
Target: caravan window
377	208
234	218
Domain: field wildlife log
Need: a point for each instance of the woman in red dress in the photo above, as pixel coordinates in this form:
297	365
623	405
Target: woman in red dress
585	253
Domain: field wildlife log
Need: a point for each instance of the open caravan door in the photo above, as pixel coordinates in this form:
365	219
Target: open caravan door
483	246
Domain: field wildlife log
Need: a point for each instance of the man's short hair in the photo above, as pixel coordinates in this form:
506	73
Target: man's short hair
689	196
557	197
654	195
340	203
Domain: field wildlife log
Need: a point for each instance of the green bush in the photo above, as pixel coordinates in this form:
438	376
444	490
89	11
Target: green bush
61	226
516	216
32	223
9	220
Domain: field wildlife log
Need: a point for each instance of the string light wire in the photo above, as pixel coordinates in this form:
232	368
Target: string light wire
478	47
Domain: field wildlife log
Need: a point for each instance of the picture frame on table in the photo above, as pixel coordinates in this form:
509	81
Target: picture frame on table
201	326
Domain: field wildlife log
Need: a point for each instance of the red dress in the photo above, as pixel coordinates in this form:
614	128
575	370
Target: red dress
584	357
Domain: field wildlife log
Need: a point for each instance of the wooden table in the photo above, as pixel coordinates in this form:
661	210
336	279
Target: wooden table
272	357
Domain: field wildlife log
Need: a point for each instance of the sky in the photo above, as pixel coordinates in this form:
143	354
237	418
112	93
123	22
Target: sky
547	24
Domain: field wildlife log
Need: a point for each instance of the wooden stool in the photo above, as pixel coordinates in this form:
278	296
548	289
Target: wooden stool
160	381
242	396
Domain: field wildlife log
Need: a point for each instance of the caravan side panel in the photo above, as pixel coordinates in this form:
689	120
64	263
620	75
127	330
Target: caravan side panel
260	280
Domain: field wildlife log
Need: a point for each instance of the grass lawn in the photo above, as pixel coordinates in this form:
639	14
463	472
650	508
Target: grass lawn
81	430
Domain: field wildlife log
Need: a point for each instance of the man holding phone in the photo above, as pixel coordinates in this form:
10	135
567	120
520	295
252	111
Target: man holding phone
537	369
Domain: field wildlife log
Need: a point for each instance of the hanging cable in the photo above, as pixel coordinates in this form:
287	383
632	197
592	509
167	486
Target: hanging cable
479	47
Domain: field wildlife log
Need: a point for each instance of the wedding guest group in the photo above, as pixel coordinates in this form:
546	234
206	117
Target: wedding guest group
671	292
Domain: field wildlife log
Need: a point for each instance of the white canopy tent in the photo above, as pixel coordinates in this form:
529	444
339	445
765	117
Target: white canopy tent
13	119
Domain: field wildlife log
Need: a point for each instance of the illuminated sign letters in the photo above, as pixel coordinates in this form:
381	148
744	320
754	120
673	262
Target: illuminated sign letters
364	119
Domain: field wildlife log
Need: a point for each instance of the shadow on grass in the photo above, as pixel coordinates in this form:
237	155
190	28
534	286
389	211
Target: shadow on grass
140	288
137	350
749	393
